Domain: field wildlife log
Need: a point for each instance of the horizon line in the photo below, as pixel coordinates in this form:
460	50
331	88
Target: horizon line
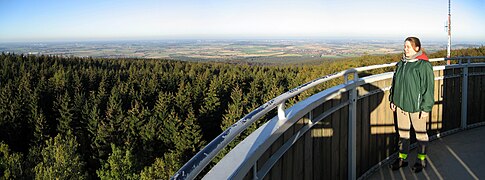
236	38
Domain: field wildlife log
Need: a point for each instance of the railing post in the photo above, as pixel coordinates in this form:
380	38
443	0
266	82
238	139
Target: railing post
352	138
464	95
255	171
281	111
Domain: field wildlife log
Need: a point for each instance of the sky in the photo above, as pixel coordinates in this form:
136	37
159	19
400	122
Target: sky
81	20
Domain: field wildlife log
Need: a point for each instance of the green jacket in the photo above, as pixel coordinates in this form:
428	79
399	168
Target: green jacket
413	85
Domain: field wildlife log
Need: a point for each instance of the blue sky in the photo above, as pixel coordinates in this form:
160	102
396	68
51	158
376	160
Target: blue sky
71	20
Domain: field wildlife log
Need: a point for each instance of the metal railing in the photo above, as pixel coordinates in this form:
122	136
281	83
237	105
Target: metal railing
197	163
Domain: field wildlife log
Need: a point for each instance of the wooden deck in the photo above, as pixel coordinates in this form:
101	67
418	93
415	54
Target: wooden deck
457	156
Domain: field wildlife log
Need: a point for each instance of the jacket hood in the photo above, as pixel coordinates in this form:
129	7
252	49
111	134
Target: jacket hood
420	55
423	56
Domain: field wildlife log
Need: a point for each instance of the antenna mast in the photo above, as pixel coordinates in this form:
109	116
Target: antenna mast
448	54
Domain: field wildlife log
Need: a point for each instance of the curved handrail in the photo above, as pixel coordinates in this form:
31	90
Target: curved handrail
197	163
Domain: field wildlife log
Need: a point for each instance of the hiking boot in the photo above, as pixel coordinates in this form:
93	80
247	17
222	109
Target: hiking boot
398	163
419	165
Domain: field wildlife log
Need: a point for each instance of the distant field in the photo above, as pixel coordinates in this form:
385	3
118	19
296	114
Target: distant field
252	51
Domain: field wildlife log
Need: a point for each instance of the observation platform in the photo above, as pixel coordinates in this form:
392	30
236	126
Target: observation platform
457	156
349	132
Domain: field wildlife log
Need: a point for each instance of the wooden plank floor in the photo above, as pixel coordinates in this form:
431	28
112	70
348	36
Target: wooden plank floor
457	156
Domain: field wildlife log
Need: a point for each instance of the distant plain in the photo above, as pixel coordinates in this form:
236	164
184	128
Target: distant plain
247	51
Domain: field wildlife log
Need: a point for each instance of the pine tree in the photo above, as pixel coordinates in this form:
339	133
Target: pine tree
60	160
79	123
101	91
235	110
164	120
162	168
190	140
120	165
65	117
169	132
13	117
183	98
11	163
59	80
90	113
198	90
256	91
133	123
5	111
37	118
210	112
109	128
273	90
157	131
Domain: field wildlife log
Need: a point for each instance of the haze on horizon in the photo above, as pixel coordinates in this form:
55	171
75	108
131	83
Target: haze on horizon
77	20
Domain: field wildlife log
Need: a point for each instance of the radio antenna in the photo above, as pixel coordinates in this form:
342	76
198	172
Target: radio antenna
448	49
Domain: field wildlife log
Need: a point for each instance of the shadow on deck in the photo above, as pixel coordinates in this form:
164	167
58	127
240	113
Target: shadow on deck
458	156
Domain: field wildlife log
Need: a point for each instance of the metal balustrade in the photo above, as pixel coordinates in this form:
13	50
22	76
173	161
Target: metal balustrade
356	106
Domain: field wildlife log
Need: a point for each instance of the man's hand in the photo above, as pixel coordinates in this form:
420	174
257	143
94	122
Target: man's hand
393	107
